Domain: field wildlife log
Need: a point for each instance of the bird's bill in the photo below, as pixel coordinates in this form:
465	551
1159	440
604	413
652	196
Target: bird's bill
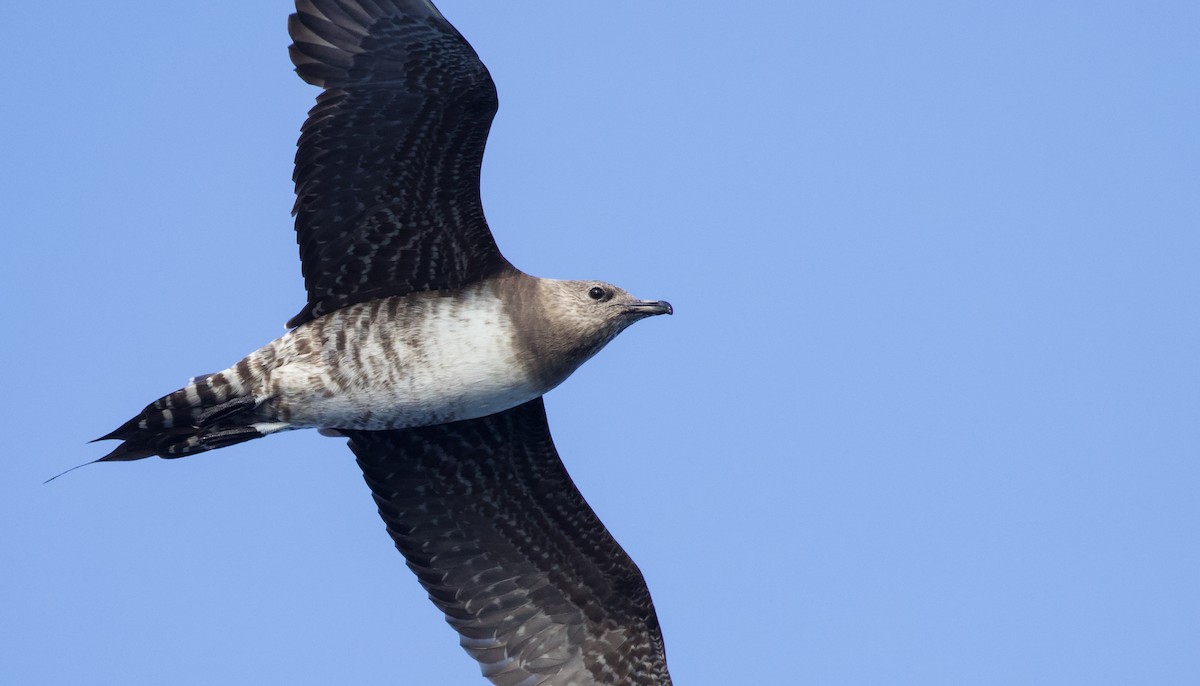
647	308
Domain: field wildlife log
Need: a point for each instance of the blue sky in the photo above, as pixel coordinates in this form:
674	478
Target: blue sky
926	414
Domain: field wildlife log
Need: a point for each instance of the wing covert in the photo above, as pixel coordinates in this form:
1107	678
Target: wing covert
387	165
491	523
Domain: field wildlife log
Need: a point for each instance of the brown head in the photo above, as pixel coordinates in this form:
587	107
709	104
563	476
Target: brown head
561	324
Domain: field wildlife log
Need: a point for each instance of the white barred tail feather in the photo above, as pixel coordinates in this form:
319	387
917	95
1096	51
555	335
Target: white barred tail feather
204	415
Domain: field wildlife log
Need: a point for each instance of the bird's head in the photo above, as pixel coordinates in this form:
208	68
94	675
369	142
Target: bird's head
581	317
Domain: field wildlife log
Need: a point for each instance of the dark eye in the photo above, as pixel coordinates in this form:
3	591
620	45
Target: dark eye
597	293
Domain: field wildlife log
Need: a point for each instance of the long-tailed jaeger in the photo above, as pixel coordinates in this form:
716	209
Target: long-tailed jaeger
430	352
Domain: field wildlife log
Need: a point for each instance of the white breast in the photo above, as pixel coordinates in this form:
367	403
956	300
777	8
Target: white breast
413	361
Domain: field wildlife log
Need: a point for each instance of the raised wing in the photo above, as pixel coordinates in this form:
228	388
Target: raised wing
489	520
387	170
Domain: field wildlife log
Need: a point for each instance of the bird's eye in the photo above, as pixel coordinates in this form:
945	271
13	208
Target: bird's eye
597	293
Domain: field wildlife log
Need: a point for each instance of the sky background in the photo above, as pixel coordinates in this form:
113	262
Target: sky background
927	412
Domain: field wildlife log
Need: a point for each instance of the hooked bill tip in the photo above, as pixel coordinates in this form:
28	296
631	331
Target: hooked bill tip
649	307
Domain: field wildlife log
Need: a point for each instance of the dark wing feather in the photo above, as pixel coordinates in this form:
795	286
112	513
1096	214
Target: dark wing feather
495	530
387	170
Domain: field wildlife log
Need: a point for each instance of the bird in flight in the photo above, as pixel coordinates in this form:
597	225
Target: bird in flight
424	347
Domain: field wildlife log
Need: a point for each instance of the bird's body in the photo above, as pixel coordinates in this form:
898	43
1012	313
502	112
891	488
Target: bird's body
427	349
395	363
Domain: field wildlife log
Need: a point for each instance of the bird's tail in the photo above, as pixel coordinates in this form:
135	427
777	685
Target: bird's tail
211	412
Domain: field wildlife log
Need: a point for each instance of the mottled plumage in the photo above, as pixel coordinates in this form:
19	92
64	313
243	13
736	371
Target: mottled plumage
387	167
507	547
430	352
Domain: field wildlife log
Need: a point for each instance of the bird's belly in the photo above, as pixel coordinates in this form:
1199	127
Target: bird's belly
422	398
432	370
